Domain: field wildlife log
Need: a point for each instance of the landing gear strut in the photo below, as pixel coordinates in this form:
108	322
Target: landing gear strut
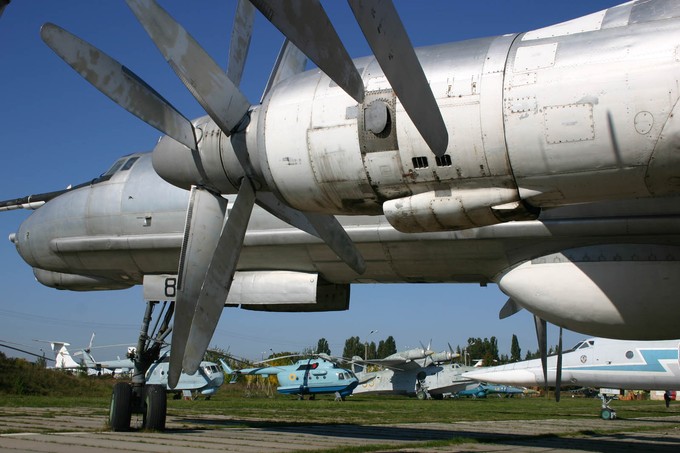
137	397
607	413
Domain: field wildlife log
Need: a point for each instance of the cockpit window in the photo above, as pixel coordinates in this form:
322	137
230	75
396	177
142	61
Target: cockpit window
115	167
130	162
122	164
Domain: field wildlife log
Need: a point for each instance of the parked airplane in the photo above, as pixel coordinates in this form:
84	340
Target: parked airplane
560	187
311	376
419	372
598	362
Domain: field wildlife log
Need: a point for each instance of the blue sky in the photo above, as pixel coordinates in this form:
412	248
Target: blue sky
56	130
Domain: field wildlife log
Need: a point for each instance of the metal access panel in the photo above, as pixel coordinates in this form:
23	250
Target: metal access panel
385	140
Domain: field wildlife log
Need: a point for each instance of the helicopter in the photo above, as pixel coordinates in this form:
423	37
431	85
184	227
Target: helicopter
309	376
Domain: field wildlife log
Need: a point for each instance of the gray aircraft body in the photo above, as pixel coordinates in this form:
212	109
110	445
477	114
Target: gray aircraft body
545	162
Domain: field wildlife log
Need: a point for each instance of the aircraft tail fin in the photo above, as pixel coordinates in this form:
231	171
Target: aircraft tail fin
225	366
62	356
357	367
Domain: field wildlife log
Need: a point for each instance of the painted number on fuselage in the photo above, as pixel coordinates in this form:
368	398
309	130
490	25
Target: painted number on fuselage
160	287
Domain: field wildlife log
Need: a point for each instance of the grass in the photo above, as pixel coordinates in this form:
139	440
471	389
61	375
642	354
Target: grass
359	409
393	410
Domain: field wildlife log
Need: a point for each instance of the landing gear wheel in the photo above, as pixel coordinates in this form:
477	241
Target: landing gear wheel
120	411
608	414
155	407
421	395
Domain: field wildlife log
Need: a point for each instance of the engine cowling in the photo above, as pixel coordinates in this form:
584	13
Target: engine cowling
622	291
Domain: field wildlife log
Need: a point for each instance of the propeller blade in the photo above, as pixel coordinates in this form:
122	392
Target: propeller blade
291	61
307	25
392	47
541	328
205	218
334	235
325	227
211	87
240	40
217	280
558	377
119	83
510	308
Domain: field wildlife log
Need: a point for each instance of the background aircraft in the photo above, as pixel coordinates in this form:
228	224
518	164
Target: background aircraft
539	150
311	376
420	372
483	390
206	381
598	362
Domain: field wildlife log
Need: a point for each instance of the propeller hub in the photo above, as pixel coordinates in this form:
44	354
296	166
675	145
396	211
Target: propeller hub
212	165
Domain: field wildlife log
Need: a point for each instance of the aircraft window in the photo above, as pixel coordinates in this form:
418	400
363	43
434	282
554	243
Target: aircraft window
130	162
340	376
114	168
443	161
629	354
420	162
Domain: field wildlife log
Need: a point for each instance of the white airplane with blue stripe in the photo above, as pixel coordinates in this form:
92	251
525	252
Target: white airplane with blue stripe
597	362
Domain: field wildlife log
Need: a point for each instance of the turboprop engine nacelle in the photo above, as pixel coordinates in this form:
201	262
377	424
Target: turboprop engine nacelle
614	291
582	111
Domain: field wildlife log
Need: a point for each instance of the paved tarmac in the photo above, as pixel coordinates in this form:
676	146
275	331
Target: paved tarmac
83	430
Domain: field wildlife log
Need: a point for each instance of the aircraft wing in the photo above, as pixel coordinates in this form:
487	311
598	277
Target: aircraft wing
393	364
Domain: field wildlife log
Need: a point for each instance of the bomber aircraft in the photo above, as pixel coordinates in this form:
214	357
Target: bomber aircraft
542	161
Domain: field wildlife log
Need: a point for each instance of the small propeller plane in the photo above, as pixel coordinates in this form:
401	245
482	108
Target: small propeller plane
544	162
597	362
311	376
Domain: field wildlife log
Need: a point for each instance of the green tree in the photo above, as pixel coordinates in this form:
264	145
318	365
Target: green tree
515	350
386	348
322	347
372	351
353	346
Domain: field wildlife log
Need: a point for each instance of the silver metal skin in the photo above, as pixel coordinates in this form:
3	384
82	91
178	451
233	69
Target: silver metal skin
114	233
578	112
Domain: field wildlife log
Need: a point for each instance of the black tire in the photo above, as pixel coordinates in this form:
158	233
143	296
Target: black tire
120	410
606	414
155	407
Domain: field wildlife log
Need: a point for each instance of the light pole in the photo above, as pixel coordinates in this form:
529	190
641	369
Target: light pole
366	343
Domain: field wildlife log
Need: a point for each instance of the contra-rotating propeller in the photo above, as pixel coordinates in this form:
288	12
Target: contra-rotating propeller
306	25
208	260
